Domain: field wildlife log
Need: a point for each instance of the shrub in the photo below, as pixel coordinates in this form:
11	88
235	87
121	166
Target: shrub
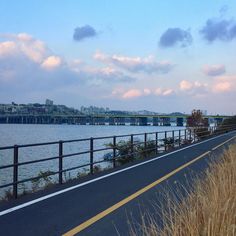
168	143
147	150
97	168
43	180
126	152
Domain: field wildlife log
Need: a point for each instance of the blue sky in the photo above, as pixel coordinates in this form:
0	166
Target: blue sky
130	55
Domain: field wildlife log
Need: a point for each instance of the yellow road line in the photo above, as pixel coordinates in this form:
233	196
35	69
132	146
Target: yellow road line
106	212
222	143
99	216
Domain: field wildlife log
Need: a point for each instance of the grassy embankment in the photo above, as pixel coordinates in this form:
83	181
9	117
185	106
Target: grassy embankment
209	209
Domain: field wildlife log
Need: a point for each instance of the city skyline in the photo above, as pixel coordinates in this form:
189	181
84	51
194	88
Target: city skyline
159	56
49	106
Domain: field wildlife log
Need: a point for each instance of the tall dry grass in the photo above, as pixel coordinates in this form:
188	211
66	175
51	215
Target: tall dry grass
208	210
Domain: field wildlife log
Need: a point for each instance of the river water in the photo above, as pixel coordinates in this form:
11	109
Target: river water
11	134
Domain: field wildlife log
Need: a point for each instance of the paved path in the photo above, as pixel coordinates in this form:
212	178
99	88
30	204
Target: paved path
103	205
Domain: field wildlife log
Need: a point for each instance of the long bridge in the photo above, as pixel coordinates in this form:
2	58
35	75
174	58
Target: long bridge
102	119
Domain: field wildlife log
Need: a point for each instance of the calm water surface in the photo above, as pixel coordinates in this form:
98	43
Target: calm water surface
11	134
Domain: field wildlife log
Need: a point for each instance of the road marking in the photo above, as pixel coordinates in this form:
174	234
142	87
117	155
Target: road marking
130	198
12	209
213	149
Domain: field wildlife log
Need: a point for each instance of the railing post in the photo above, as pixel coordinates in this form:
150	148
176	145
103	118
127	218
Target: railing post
173	137
60	161
185	135
194	138
179	138
114	151
190	134
156	142
15	172
91	155
165	140
132	145
145	145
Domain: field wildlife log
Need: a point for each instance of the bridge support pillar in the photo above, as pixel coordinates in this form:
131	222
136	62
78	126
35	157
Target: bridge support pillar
142	121
155	121
82	120
101	120
180	121
120	121
166	121
91	121
3	120
133	121
111	121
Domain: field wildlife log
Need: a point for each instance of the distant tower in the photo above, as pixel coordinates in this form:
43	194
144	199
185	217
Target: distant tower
48	102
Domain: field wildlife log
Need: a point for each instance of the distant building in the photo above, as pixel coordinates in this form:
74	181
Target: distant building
49	102
93	110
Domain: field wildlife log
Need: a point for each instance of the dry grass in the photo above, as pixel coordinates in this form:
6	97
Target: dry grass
209	210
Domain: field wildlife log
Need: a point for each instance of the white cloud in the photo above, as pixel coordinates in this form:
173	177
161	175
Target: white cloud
158	91
108	70
24	37
34	50
185	85
163	92
137	92
224	84
147	91
100	56
135	64
24	45
167	92
51	62
222	87
23	57
132	93
7	48
194	88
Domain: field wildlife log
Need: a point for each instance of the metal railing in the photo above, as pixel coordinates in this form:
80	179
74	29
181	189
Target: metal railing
159	142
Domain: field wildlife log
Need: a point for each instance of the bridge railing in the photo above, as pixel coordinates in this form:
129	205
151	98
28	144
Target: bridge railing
115	151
